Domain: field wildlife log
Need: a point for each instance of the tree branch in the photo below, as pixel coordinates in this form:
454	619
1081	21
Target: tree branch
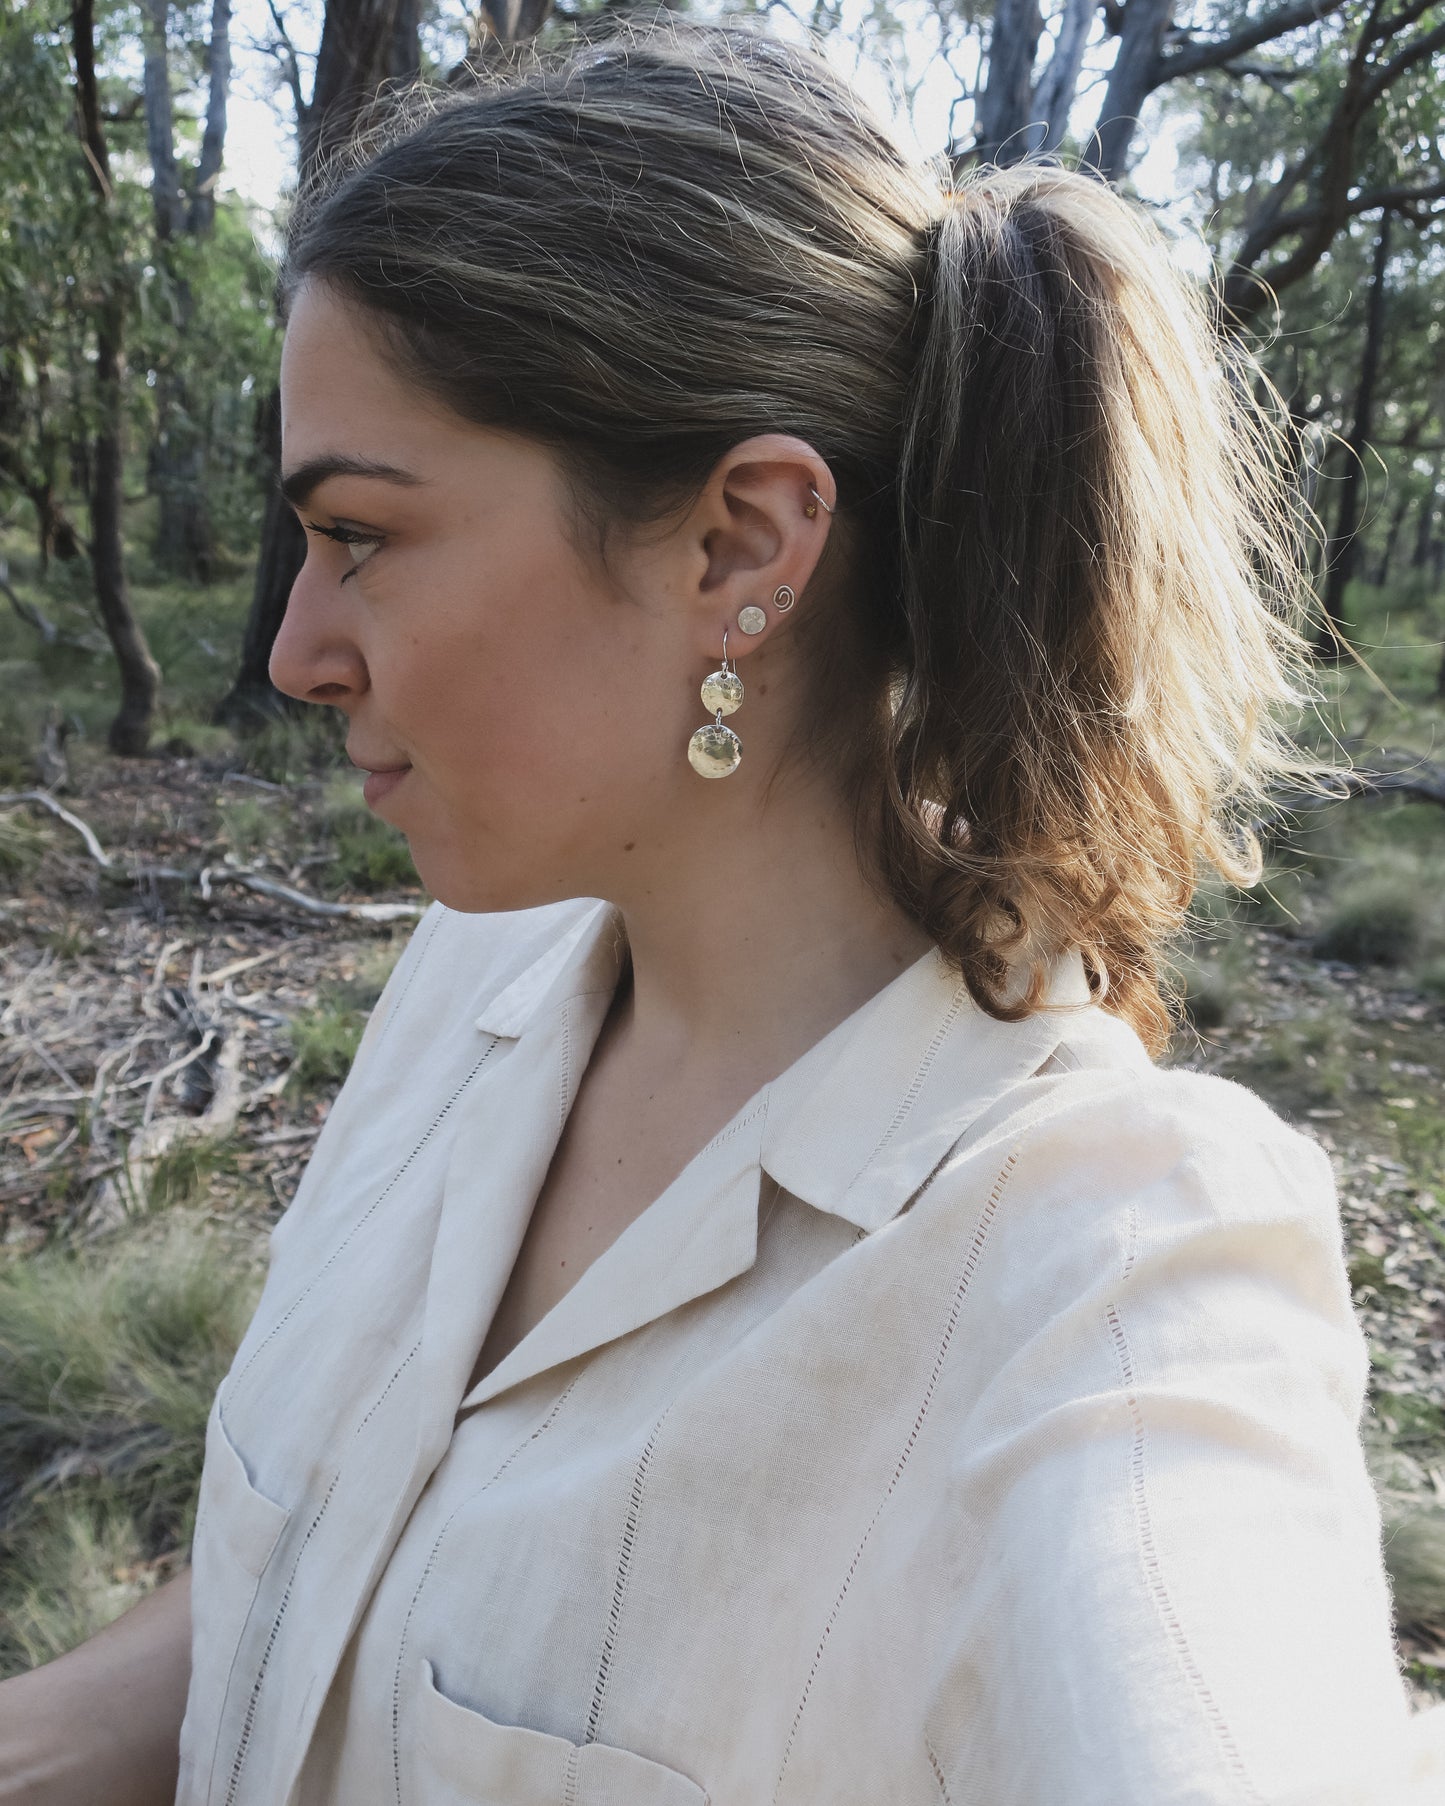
1398	199
1388	73
291	64
1190	57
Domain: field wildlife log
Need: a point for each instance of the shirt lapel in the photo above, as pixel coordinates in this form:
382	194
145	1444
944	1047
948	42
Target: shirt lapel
854	1127
701	1232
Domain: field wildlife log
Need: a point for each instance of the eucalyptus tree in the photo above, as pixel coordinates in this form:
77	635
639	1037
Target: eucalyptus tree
183	205
139	674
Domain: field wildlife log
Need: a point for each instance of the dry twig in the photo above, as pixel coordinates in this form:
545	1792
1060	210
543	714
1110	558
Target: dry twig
211	875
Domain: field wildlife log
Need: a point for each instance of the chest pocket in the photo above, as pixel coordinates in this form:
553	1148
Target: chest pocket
237	1529
464	1759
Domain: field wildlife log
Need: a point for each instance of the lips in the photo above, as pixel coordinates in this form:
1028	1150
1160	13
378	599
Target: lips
381	782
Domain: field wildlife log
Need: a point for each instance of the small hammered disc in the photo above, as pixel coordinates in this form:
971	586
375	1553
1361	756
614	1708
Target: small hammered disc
723	691
752	619
713	751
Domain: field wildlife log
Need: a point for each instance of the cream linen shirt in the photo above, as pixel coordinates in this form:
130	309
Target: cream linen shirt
974	1419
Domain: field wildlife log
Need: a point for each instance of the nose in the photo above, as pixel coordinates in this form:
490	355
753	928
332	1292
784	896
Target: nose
315	657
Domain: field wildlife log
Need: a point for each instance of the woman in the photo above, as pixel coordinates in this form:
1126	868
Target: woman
758	1326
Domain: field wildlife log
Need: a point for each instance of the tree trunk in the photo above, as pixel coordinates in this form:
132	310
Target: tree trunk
139	673
185	538
202	211
1132	80
140	676
1054	98
1392	540
1425	524
252	696
1342	552
1003	124
364	43
160	129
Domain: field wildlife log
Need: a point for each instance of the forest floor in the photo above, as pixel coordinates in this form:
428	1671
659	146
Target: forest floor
167	1057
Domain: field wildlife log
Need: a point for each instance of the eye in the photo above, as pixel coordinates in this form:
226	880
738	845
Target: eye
359	543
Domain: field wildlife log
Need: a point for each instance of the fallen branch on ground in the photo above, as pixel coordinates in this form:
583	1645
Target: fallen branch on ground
207	877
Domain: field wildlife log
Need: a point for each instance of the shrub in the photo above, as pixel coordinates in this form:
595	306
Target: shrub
22	842
366	855
248	825
1380	921
323	1045
109	1360
182	1173
1306	1058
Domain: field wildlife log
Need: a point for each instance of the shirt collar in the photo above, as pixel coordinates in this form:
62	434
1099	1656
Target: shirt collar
857	1123
587	955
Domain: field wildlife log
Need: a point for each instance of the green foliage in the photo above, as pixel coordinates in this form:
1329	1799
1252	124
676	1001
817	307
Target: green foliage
1306	1058
367	854
1379	920
22	842
247	825
323	1045
182	1173
294	747
324	1042
109	1360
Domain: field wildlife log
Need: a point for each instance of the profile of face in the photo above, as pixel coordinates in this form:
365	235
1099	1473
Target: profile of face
524	707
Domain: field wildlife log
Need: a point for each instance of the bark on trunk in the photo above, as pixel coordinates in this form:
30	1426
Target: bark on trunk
1060	80
364	43
1002	130
252	697
185	537
1392	542
1132	80
140	676
139	673
201	214
1342	554
1425	522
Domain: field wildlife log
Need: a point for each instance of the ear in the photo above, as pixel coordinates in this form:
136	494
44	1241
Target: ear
751	532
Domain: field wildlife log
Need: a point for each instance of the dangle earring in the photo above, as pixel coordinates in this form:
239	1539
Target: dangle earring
714	750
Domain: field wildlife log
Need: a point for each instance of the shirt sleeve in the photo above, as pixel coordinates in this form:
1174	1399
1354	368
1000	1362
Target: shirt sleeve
1176	1591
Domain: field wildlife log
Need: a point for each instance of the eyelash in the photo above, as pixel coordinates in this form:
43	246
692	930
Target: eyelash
345	536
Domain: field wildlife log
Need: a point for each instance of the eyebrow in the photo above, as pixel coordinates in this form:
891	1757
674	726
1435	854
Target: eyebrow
300	484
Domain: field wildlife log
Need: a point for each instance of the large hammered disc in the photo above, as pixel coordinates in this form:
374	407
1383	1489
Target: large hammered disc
713	751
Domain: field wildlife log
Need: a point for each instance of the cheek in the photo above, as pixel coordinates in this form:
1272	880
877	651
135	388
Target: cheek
529	691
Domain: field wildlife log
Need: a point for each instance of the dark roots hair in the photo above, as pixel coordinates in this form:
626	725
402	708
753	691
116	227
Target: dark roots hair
1057	614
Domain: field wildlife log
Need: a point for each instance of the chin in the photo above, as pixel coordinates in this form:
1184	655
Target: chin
473	893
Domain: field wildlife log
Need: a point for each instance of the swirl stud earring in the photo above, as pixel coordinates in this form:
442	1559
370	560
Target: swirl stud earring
714	751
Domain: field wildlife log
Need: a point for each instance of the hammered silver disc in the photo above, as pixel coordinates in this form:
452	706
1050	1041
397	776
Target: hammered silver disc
713	751
752	619
722	692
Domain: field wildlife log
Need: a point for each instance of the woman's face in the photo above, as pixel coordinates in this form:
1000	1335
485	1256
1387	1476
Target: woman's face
525	716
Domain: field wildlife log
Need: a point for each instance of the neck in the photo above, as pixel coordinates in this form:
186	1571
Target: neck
750	945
